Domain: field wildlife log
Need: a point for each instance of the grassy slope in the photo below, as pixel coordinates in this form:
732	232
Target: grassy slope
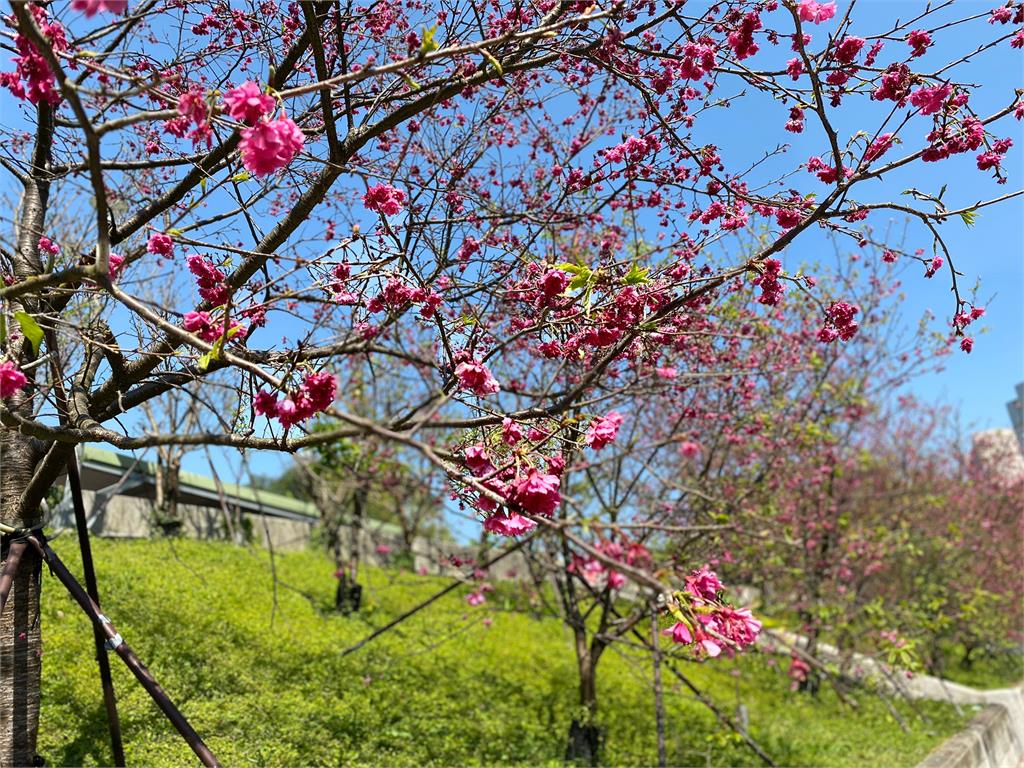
1002	670
267	686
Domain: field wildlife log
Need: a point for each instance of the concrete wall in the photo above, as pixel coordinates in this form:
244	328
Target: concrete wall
988	741
131	517
993	739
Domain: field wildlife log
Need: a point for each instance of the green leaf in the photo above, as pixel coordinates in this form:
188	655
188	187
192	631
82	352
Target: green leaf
428	44
175	232
241	176
493	61
581	280
31	329
969	217
410	82
637	276
213	354
567	267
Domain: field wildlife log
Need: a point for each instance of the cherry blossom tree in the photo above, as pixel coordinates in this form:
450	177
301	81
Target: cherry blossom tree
897	543
674	469
437	197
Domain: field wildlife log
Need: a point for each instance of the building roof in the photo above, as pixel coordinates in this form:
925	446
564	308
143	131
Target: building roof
102	468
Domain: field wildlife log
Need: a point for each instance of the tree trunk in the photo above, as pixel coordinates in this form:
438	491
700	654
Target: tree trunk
349	596
584	745
168	475
20	631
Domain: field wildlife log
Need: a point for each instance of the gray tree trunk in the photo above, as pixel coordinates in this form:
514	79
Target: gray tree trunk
20	630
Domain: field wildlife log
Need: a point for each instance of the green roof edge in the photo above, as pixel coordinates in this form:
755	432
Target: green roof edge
266	498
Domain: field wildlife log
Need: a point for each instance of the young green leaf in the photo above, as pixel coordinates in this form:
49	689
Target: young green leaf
637	276
31	329
428	44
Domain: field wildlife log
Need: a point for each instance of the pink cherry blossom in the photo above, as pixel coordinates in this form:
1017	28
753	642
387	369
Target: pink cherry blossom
194	112
11	379
554	283
474	376
269	146
772	289
878	147
384	199
848	48
679	632
815	12
931	100
209	330
512	524
247	103
478	461
919	40
314	395
511	433
33	79
537	493
160	244
839	322
48	246
92	7
704	584
689	449
114	266
604	430
209	279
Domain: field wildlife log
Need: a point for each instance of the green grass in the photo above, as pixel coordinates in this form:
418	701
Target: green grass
265	684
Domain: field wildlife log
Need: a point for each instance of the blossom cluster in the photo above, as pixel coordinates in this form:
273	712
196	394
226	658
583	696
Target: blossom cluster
397	295
11	379
385	199
267	145
705	621
598	573
313	396
526	489
839	322
604	430
209	280
91	7
475	377
210	329
33	80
